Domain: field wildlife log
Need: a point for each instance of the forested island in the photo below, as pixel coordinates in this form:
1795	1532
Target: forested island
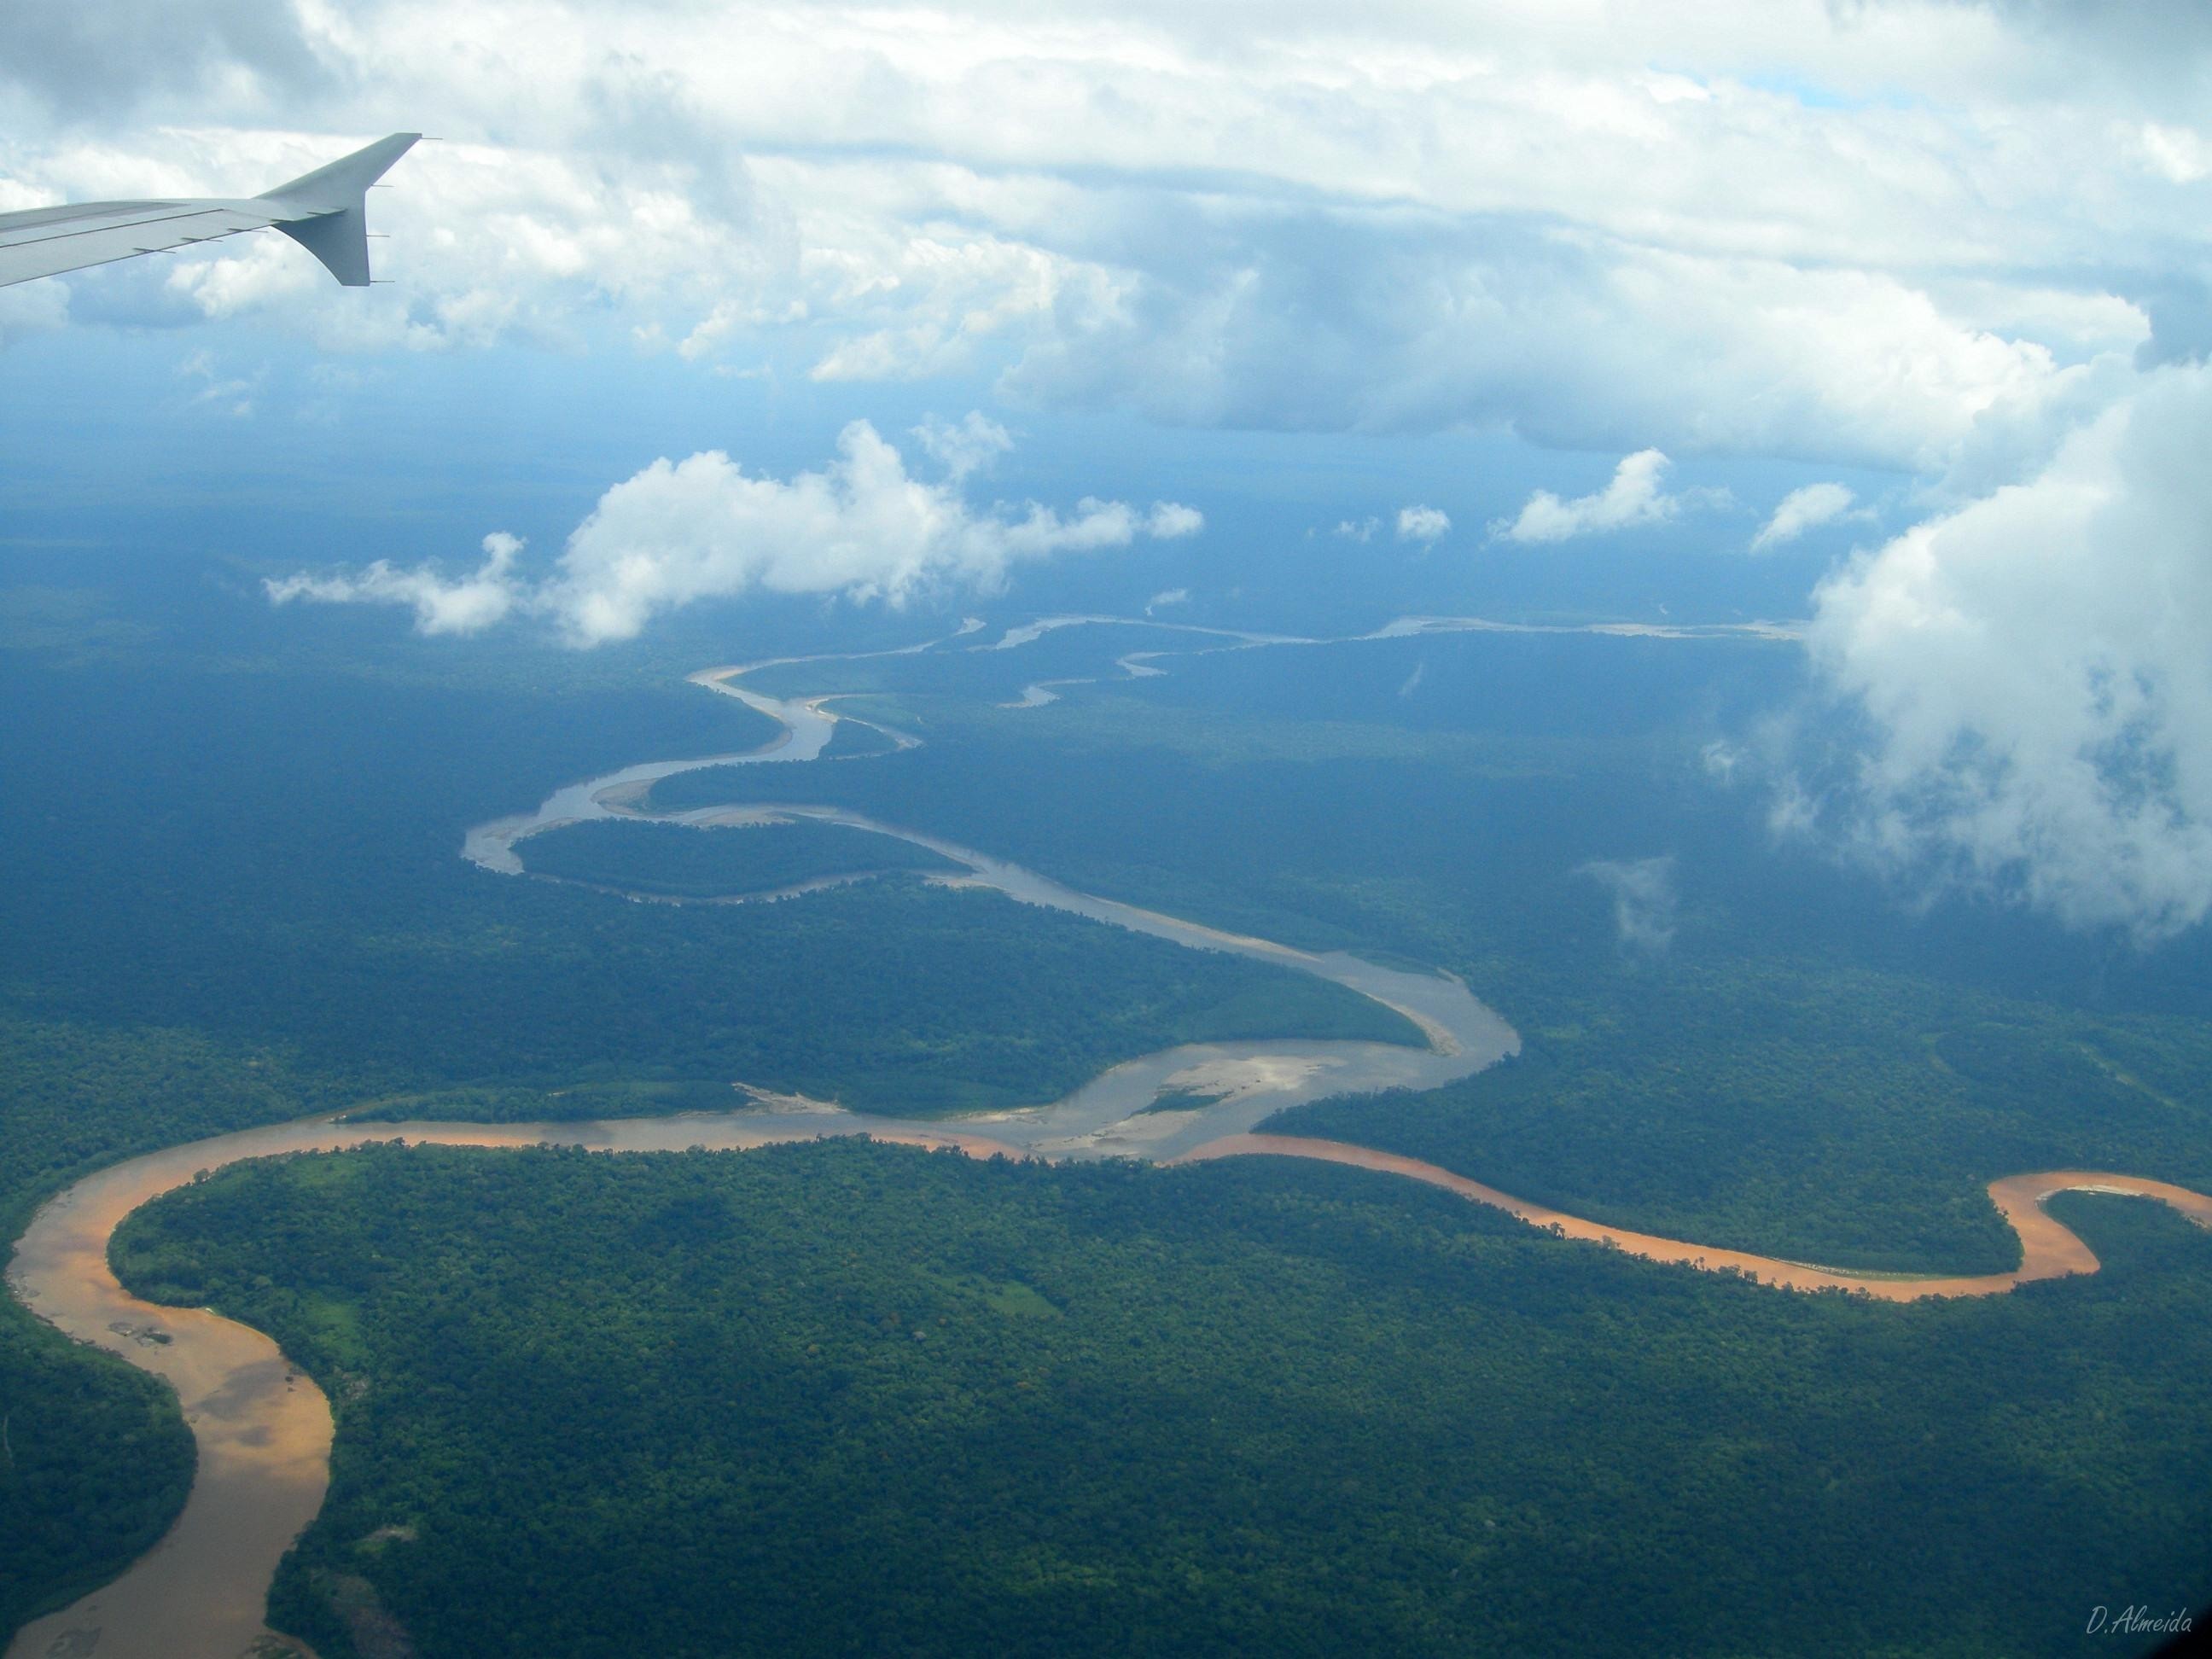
723	861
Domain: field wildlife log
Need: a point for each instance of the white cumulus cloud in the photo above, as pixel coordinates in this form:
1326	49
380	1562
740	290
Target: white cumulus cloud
965	446
1633	497
1425	525
464	605
1883	233
679	531
1801	510
1169	520
2035	682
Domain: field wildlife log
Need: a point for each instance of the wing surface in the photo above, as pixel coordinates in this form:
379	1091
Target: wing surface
322	211
45	241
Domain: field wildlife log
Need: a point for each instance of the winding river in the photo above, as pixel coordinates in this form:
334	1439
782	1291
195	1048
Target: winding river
263	1430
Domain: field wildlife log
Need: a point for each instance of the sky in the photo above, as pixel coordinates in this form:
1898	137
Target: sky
1888	317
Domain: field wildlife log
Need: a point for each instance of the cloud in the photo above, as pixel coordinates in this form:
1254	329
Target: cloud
1644	901
1801	510
966	446
1632	498
465	604
1167	597
1297	318
28	308
1363	532
486	245
1425	525
105	55
2031	683
701	528
1804	237
234	395
1171	521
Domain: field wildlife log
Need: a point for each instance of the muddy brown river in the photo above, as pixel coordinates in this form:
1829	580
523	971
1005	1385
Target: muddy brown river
263	1431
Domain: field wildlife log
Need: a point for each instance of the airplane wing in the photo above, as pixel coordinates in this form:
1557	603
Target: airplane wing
322	211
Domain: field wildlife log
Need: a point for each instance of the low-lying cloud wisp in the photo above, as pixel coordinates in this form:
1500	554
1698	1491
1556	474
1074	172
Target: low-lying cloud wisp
1633	497
2031	685
1425	525
465	604
679	531
1804	509
1642	902
965	446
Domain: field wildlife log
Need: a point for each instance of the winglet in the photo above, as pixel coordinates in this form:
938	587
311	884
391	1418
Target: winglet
327	217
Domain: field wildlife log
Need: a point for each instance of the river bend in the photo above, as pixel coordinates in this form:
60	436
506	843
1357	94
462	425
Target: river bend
263	1430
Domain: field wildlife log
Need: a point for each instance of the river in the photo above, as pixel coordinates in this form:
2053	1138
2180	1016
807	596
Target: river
263	1431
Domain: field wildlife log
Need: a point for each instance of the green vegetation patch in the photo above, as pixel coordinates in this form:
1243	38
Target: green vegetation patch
681	861
94	1456
1849	1119
235	898
1763	1082
810	1400
891	997
850	739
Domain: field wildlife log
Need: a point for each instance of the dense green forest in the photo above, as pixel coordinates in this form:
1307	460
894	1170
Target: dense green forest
680	862
324	907
1840	1124
98	1457
894	997
179	787
193	785
856	740
1775	1079
235	897
842	1397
